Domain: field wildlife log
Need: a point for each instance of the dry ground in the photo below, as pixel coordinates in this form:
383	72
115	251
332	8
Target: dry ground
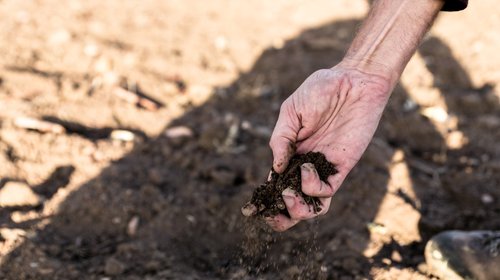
166	204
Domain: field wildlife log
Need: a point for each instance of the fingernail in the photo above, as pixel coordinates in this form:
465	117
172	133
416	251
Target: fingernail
288	197
307	167
289	192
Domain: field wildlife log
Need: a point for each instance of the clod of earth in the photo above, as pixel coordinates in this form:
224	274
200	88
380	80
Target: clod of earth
267	199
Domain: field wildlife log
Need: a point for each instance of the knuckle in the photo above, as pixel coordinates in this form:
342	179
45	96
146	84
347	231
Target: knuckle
322	73
272	142
302	214
309	182
311	188
276	143
285	105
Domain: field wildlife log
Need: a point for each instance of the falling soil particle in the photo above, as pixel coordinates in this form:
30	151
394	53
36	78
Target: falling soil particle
267	199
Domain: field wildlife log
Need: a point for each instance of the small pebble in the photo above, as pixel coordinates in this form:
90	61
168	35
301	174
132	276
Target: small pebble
38	125
18	194
191	219
122	135
178	132
487	198
436	114
11	234
113	267
132	226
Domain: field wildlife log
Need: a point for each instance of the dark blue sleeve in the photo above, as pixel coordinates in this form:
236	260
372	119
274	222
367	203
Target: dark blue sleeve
454	5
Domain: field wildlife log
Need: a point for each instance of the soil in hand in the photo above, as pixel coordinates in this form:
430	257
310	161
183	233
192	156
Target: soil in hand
267	200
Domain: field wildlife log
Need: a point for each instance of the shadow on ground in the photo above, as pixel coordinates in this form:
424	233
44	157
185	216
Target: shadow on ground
187	192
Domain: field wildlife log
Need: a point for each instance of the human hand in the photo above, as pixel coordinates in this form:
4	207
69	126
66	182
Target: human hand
336	112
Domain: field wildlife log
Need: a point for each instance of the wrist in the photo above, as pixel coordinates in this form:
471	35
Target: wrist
390	35
373	68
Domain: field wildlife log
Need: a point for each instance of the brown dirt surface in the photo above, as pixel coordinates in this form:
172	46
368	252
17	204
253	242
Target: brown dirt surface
154	119
267	197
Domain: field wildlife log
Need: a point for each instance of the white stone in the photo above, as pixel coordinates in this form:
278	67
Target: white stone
18	194
132	226
122	135
436	114
11	234
456	140
487	198
178	132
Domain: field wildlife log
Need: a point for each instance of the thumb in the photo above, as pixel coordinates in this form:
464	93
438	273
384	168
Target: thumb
284	137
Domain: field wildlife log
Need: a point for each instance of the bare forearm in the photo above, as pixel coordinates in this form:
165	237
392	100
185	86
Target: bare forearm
390	35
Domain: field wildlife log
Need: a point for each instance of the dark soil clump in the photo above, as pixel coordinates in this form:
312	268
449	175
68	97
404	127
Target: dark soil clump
267	197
